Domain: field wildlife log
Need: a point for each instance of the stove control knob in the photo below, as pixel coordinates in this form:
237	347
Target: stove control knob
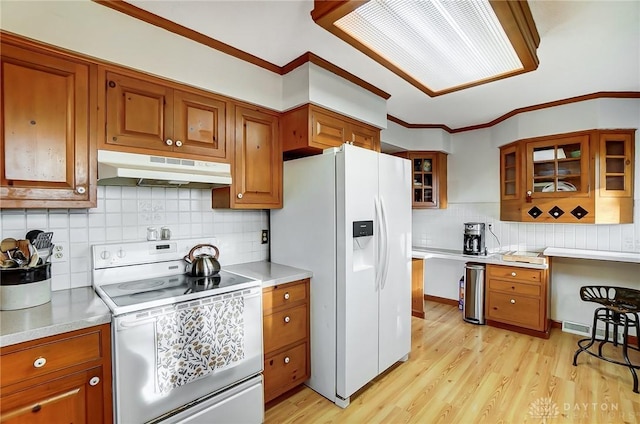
105	255
121	253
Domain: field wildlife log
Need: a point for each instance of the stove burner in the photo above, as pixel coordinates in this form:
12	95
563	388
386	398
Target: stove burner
196	284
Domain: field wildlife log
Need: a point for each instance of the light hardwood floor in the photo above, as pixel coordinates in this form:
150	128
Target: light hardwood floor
463	373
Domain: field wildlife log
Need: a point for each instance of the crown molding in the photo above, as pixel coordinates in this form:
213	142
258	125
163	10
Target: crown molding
569	100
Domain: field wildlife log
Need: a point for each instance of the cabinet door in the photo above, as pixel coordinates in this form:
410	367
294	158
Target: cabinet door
616	164
46	147
510	184
76	398
558	167
429	179
365	137
326	130
199	125
257	178
139	113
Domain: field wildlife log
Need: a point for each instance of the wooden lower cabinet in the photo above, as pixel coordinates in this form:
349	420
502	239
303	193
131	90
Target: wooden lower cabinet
518	299
417	287
62	378
286	337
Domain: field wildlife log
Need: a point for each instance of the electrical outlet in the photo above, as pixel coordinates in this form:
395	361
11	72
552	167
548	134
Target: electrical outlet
265	236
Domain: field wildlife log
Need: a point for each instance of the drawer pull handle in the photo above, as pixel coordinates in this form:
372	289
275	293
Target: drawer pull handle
287	296
286	360
287	319
39	363
169	142
513	274
178	143
94	381
513	301
513	287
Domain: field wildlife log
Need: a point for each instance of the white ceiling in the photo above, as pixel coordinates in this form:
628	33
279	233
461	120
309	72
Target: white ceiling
585	47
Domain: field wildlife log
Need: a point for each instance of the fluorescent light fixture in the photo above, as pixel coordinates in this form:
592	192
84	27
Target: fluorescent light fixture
438	45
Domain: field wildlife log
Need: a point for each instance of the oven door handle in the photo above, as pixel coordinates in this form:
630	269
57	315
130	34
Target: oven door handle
125	324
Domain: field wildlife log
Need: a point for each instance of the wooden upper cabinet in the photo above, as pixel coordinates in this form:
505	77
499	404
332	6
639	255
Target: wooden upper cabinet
309	129
145	115
200	123
48	116
429	185
556	166
257	165
580	177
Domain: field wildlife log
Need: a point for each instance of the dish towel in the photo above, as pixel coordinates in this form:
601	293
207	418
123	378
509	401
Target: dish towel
194	341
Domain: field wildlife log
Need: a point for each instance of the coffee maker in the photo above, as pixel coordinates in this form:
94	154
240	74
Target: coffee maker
474	238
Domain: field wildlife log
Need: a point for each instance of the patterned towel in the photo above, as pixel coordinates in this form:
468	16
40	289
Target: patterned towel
195	341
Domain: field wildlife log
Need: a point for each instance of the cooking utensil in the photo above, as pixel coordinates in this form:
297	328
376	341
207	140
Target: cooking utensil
43	240
31	235
204	264
8	245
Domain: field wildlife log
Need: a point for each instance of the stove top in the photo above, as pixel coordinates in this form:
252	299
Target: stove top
164	282
173	286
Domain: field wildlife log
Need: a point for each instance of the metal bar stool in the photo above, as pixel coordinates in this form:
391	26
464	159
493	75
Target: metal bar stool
620	307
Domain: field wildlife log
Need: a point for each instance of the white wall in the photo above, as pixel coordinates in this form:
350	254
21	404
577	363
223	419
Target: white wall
473	194
124	213
86	27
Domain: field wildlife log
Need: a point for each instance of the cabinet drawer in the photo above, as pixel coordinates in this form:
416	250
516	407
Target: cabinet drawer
285	371
285	327
514	273
514	309
285	294
48	357
515	287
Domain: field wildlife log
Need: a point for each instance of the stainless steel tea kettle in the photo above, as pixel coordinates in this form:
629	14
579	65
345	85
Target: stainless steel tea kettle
202	265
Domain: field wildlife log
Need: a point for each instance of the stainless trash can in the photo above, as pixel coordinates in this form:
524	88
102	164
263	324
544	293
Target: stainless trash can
473	306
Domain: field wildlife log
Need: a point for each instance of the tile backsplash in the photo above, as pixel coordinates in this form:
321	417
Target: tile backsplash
444	228
124	213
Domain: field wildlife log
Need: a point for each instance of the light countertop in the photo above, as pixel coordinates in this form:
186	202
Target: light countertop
270	273
68	310
601	255
457	255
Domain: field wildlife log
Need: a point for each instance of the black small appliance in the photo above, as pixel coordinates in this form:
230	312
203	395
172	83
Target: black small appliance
474	238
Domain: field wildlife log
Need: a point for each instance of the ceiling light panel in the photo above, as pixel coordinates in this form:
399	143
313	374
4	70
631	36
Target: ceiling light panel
441	44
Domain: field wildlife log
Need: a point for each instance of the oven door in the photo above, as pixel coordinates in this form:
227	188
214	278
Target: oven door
171	356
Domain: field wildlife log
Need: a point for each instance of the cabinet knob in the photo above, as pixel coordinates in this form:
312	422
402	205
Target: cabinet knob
178	143
513	274
239	195
513	301
287	319
81	190
94	381
286	296
39	363
169	142
286	360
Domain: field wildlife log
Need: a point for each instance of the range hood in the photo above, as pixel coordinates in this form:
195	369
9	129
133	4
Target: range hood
132	169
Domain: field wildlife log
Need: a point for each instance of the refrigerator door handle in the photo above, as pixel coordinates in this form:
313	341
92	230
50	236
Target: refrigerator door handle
385	225
376	203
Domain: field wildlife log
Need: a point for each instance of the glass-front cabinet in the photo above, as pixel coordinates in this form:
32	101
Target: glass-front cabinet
616	160
429	183
580	177
510	172
558	167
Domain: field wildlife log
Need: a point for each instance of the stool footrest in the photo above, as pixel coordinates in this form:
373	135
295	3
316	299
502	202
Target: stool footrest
613	361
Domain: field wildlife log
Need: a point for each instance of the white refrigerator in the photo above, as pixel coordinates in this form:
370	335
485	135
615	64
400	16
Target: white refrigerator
347	218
